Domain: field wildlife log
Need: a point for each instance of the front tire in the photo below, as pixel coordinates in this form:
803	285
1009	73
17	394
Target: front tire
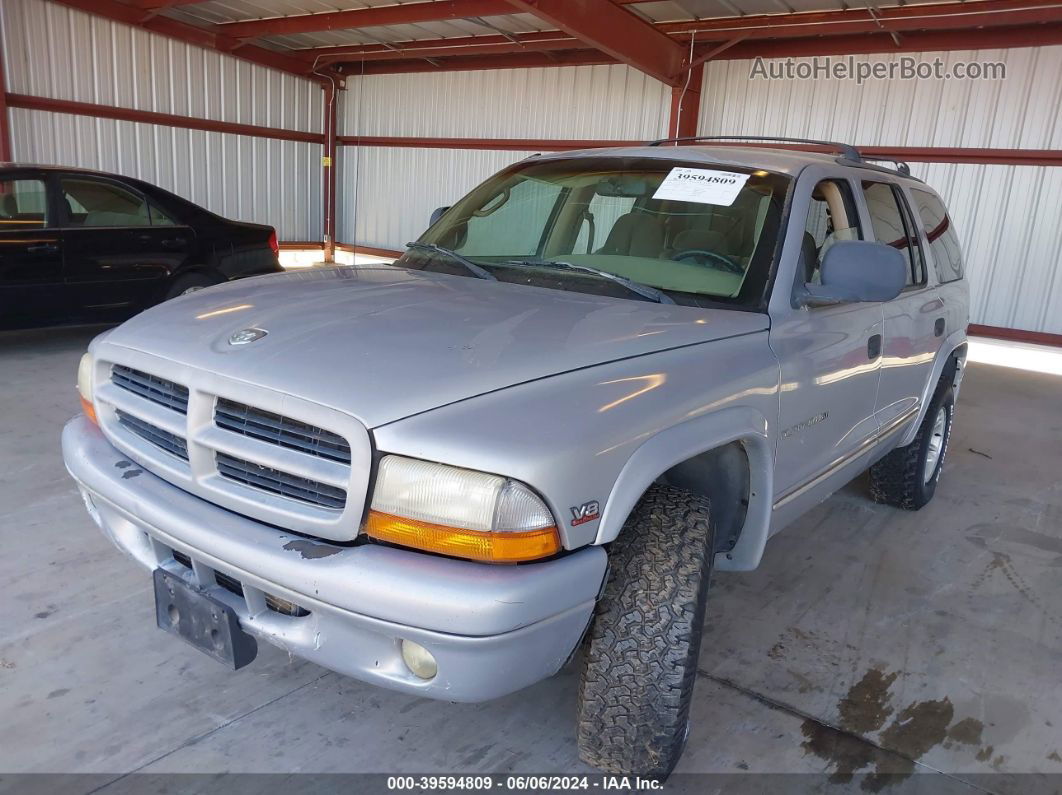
908	476
640	661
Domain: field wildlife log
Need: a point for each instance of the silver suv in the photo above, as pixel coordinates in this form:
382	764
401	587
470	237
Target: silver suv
592	380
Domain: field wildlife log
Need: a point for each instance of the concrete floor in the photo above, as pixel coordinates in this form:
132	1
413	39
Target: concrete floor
870	639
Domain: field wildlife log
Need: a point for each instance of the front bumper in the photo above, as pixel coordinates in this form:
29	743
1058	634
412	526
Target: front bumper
492	629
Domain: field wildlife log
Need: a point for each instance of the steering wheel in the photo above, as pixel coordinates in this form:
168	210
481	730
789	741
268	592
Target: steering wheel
725	262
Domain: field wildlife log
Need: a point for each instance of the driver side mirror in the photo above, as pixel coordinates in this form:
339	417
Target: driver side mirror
857	271
436	214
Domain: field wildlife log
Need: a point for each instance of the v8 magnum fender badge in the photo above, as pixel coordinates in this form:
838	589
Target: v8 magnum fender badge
587	512
246	336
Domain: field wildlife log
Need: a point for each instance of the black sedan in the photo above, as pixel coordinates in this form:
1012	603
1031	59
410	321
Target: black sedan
84	246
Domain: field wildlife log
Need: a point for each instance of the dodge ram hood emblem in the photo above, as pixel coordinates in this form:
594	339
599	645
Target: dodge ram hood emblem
246	335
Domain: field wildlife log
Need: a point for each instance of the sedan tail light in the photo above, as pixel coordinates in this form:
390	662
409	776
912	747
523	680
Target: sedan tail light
273	244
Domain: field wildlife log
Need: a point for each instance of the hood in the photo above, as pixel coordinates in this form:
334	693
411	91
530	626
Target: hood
384	343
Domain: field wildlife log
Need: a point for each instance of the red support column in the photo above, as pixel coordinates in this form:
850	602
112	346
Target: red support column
5	127
328	163
686	104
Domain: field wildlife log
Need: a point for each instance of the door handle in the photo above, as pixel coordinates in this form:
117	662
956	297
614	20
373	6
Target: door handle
938	327
43	248
874	347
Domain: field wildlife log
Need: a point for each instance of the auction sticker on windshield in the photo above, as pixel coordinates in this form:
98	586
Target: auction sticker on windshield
701	185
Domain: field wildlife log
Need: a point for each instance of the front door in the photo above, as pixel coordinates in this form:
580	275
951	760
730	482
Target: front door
830	359
31	256
116	260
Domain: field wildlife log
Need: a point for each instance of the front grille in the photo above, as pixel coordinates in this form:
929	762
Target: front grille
164	440
280	430
157	390
282	483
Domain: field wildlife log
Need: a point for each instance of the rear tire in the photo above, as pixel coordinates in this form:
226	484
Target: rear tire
640	661
190	283
907	477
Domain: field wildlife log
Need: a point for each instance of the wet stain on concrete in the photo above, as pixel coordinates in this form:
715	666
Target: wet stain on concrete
919	727
984	754
311	551
1054	757
866	706
1002	563
967	731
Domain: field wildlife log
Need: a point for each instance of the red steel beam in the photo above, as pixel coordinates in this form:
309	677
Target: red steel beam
158	5
443	48
1015	335
5	126
405	14
208	36
686	104
151	117
911	154
475	62
497	144
946	16
915	41
930	41
328	163
615	31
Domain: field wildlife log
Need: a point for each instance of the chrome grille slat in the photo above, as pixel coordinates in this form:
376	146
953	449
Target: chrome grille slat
164	440
280	430
280	483
151	387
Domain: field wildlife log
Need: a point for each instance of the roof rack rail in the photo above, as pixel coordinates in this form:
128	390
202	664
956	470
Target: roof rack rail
847	151
901	165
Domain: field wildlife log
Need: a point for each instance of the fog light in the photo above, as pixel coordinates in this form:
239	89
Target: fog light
419	660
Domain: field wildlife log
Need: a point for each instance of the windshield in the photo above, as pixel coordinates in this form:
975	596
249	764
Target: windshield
701	233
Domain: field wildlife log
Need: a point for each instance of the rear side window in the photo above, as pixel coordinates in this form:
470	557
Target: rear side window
940	232
23	204
94	203
893	226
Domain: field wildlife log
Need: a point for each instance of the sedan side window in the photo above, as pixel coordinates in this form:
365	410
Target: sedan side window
92	203
893	226
23	205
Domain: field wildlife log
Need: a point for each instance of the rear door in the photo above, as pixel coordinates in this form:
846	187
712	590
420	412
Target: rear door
120	250
31	257
915	322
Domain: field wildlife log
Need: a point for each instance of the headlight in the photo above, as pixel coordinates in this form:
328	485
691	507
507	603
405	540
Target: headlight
84	386
459	512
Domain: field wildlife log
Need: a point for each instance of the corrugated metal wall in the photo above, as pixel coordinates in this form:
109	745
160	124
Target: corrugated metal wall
399	187
56	52
1007	216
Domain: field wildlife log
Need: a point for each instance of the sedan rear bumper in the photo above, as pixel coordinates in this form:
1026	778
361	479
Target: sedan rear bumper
491	629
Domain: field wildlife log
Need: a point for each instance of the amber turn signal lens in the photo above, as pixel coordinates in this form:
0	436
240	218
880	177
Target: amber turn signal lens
90	411
470	544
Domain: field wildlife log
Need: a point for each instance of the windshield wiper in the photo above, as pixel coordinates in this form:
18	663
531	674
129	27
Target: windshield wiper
477	270
643	290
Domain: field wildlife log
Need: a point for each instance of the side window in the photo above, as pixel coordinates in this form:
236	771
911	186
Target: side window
23	204
940	232
95	203
598	220
520	213
158	218
832	216
892	225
